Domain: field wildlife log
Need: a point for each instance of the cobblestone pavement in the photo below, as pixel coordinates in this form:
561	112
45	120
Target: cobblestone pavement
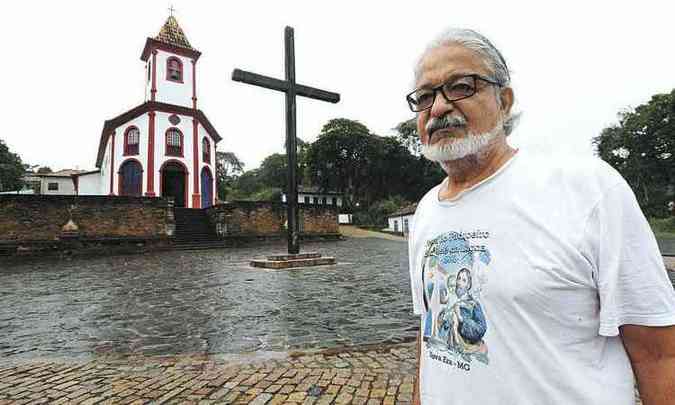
205	302
382	375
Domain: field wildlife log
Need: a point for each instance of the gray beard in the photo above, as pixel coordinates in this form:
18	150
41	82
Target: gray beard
460	148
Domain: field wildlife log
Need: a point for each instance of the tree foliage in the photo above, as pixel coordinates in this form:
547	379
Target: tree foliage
407	134
642	147
339	159
228	168
347	158
11	169
376	175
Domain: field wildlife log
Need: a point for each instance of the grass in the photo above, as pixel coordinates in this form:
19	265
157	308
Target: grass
664	228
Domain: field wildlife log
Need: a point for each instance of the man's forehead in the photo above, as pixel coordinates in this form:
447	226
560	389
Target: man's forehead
446	62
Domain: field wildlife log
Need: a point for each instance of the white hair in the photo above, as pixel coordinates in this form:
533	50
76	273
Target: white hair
493	59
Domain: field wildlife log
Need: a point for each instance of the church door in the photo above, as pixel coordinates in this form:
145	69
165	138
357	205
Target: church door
174	183
131	178
207	188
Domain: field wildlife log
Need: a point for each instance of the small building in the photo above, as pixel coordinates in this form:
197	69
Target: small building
314	196
55	183
402	220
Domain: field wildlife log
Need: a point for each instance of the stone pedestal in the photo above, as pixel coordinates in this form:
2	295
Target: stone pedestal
289	261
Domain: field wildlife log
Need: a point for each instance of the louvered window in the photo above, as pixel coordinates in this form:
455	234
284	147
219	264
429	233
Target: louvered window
131	141
174	142
174	70
206	151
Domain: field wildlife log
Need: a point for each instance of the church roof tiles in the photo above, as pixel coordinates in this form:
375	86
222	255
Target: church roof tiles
172	34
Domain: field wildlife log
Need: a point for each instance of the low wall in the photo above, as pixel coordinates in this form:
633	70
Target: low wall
263	218
37	222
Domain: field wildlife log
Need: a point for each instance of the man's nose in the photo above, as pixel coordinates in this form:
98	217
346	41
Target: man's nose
440	106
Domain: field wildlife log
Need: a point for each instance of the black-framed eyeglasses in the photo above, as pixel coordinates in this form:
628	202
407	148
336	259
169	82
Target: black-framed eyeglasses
456	89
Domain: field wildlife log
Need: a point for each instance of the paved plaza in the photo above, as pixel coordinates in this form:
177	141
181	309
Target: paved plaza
209	302
204	327
383	375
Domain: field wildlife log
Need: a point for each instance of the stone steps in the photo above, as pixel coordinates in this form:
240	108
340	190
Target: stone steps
193	231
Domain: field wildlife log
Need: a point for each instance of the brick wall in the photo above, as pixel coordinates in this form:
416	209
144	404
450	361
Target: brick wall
262	218
42	217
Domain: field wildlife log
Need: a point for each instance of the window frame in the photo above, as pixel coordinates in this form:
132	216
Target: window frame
206	150
180	69
55	184
180	140
127	146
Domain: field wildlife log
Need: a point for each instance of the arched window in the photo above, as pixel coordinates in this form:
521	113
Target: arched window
174	142
131	139
174	70
206	151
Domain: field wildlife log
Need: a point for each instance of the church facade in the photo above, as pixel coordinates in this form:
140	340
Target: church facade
165	146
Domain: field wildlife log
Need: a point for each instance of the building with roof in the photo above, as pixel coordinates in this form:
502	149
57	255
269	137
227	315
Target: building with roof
402	220
55	183
315	196
165	146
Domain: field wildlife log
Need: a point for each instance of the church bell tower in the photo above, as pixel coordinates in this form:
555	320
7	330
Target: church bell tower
171	64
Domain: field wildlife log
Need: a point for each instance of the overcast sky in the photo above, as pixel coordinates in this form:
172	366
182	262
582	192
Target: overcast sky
68	66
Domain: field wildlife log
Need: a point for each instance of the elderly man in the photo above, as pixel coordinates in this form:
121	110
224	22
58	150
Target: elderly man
572	290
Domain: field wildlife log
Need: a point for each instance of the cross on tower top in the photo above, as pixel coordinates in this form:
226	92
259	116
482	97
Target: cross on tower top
171	10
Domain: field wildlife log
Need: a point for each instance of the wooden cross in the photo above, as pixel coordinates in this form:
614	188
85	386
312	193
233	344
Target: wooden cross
291	88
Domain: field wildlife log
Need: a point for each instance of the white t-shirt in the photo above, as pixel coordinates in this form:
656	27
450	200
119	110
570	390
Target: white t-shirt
523	280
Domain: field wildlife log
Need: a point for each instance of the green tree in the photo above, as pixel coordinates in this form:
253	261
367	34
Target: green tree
642	147
341	157
407	134
427	173
273	171
228	168
12	169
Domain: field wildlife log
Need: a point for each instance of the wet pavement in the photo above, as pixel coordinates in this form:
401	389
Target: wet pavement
204	302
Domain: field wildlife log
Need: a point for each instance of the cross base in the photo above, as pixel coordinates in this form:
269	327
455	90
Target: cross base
290	261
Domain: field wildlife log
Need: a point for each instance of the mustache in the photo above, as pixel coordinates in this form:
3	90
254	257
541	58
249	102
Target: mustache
444	122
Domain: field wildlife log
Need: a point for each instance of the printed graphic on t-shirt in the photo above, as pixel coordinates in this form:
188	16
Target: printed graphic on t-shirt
454	272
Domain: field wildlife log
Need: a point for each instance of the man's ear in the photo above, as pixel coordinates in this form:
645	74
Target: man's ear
506	98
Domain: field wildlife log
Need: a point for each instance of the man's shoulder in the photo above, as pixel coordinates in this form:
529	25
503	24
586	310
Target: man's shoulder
571	171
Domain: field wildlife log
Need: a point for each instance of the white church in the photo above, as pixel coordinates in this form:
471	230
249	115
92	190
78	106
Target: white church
166	146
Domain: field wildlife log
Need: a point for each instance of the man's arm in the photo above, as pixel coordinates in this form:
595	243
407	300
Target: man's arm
416	386
652	354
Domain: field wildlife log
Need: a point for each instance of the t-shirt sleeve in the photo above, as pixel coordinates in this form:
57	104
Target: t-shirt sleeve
414	279
633	285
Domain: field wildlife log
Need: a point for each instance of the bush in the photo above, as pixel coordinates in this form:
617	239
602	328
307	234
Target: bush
376	215
663	225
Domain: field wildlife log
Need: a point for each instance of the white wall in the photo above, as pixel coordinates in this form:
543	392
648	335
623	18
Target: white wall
329	198
169	91
162	124
142	124
401	221
344	218
65	186
90	184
